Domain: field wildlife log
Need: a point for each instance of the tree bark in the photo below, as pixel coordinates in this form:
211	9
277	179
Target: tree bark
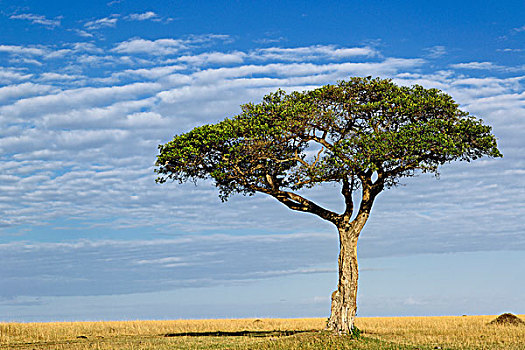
344	299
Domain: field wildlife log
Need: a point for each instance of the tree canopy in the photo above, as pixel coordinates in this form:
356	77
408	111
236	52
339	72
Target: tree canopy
350	133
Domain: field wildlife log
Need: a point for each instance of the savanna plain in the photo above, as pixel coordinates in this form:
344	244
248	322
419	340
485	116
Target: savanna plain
462	332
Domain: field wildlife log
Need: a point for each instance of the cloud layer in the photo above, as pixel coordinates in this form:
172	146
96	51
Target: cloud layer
79	129
75	140
108	267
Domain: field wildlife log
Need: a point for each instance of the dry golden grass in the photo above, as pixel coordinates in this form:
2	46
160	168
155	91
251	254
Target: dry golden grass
471	332
142	334
31	332
466	332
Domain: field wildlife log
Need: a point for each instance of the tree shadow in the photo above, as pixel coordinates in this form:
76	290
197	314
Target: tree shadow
273	333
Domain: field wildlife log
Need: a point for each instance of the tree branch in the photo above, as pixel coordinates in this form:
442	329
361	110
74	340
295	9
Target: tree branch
368	194
299	203
346	191
321	141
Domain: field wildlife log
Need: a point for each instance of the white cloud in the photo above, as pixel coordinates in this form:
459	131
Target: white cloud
76	98
105	22
519	29
143	16
511	50
22	50
37	19
86	47
119	114
145	120
213	58
26	53
147	73
476	65
157	47
50	76
274	273
83	33
270	40
57	54
308	53
436	51
170	259
18	91
163	47
104	60
10	75
25	60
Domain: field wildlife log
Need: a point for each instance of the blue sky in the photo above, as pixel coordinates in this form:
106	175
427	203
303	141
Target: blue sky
88	90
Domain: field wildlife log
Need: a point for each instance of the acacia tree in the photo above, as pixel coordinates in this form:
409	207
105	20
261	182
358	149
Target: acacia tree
365	134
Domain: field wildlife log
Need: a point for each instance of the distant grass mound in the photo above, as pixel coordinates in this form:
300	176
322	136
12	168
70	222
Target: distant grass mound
508	319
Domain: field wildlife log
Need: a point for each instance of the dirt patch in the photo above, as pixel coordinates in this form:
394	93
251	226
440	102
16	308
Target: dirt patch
508	320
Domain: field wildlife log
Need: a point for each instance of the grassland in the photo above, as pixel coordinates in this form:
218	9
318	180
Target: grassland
469	332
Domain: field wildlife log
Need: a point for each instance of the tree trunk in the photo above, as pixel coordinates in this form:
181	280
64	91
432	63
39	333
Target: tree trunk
344	299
